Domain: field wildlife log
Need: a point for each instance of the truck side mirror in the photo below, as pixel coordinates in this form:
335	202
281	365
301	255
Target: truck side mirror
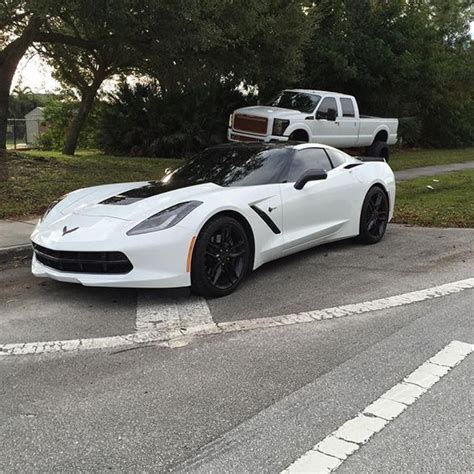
332	115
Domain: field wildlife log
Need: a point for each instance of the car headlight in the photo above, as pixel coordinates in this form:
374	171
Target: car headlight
165	219
279	126
50	207
230	121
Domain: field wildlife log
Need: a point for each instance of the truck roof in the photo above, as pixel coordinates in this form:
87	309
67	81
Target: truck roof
319	92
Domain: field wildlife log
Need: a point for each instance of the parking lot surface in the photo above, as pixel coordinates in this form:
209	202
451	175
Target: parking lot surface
252	401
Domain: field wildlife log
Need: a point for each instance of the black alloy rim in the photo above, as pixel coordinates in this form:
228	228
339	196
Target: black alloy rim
225	256
377	214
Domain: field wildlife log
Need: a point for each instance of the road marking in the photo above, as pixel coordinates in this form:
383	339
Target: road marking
174	321
350	309
332	451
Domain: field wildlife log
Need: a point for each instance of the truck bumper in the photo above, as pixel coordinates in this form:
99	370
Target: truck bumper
237	136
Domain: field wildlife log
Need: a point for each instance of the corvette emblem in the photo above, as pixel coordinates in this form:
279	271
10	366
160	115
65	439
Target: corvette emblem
68	231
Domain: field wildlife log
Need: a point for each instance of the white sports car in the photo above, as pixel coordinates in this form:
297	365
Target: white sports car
223	213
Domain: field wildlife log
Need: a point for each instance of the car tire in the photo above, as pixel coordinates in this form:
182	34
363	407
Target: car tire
374	216
379	149
220	257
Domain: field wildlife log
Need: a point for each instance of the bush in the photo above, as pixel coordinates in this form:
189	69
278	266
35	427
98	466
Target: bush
141	120
58	114
409	131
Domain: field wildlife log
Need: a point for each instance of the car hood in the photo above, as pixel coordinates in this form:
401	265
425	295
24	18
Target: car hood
131	201
269	112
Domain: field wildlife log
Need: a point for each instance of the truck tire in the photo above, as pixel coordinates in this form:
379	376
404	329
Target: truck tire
299	136
379	149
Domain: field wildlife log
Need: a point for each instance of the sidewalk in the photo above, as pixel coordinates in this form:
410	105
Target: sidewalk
15	233
15	238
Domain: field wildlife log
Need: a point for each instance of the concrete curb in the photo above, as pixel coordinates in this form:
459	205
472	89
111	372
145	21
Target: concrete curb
17	252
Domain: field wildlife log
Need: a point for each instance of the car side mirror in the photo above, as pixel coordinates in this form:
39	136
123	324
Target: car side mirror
310	175
168	171
332	115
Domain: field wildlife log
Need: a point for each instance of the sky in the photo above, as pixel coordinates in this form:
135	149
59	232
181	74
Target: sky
34	73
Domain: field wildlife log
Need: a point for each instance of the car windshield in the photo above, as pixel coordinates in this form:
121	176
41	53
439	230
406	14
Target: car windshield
232	166
301	101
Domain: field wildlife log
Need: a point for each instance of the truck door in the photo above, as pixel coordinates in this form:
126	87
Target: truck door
324	130
348	124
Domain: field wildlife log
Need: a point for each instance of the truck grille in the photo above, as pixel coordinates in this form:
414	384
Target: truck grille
83	262
250	123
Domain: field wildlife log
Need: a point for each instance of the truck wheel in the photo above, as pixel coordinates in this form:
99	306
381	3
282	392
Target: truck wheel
299	136
379	149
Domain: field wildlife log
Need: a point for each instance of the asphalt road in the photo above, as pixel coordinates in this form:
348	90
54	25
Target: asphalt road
251	401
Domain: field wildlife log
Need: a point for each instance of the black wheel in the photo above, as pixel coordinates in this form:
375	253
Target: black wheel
220	257
379	149
299	136
374	216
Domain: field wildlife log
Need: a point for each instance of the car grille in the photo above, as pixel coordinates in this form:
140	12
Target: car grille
250	123
83	262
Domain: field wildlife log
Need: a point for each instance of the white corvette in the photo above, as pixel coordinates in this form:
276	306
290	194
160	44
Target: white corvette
223	213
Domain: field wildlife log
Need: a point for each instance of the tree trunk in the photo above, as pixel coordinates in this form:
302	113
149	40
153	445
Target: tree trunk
87	101
9	58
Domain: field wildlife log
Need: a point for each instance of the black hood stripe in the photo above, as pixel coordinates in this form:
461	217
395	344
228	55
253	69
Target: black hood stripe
153	188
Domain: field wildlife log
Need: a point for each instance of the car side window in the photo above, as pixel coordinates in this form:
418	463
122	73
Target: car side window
307	159
338	157
347	108
326	104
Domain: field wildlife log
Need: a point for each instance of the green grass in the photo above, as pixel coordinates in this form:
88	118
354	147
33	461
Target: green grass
34	179
402	160
449	204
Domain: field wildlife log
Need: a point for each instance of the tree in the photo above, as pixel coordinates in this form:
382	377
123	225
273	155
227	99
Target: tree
21	24
113	28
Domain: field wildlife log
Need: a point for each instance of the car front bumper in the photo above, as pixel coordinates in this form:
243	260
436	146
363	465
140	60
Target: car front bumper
159	259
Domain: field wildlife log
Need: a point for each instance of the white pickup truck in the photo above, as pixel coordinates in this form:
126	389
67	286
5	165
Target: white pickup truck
324	117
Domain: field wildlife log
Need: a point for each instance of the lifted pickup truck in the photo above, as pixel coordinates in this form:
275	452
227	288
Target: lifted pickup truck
324	117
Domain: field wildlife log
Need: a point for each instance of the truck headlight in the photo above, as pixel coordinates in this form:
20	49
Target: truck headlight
165	219
230	121
279	126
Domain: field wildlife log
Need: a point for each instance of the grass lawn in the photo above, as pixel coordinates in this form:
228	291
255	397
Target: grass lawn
449	204
402	160
35	178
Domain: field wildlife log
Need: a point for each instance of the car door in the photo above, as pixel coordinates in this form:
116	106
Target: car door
324	130
322	210
348	124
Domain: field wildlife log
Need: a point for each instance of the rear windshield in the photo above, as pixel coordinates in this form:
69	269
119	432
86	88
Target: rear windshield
232	166
302	101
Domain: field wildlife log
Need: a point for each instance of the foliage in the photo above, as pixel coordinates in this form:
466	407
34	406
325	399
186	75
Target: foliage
448	204
58	115
142	120
37	178
402	59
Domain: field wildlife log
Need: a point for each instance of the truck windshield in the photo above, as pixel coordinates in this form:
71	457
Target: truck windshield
302	101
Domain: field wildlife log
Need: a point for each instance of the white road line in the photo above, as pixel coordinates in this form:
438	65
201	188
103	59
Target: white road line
173	321
332	451
350	309
155	312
